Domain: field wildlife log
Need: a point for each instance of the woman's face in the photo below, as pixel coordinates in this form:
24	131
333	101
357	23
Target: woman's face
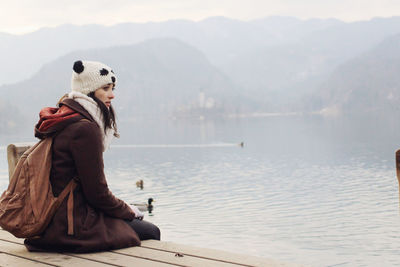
105	94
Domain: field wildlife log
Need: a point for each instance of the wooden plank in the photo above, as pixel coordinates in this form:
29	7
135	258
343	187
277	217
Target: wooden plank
66	259
10	260
223	256
156	253
52	259
15	246
9	237
139	255
171	257
121	259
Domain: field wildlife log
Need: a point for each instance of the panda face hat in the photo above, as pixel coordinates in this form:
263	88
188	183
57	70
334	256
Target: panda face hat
88	76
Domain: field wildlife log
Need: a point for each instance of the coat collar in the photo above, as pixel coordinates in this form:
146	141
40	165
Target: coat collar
77	107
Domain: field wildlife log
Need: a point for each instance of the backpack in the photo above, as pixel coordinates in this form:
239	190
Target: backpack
28	204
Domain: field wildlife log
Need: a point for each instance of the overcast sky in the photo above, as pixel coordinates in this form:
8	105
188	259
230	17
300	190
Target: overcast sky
21	16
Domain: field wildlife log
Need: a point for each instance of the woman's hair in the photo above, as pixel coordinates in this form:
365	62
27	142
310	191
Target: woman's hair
108	115
61	100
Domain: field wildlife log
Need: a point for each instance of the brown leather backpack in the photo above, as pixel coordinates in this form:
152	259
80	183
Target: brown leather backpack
28	204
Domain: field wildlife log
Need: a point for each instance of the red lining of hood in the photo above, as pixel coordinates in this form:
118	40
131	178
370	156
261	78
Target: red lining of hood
51	116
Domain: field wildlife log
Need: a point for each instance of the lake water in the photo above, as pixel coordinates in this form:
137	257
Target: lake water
308	190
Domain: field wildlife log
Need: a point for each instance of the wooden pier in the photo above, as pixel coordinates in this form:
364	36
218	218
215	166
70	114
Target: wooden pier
150	253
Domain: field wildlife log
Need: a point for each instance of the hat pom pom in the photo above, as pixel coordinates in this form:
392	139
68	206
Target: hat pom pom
78	66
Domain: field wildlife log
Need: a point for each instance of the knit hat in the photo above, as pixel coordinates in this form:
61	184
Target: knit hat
88	76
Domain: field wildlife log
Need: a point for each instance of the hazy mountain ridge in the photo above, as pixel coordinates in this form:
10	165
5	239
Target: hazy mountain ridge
293	69
369	82
221	39
10	118
156	77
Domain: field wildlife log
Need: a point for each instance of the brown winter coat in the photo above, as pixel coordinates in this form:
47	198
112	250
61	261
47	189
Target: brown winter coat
98	215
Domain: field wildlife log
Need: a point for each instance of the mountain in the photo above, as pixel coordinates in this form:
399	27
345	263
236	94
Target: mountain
367	83
156	77
220	39
10	118
280	74
265	65
286	29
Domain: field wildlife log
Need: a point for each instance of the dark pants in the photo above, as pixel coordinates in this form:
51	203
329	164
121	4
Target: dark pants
145	230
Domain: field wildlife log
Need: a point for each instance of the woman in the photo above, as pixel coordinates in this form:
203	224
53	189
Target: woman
82	128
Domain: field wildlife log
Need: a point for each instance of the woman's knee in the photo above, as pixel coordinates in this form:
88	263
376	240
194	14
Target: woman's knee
145	230
156	233
152	232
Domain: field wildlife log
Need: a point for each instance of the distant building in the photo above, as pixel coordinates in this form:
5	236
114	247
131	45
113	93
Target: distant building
202	98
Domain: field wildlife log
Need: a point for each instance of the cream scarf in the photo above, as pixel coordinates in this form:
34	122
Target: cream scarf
93	109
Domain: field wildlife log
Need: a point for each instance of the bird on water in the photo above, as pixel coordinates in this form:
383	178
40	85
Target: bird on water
145	206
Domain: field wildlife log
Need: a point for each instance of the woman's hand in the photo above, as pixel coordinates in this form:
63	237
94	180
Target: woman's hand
138	214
